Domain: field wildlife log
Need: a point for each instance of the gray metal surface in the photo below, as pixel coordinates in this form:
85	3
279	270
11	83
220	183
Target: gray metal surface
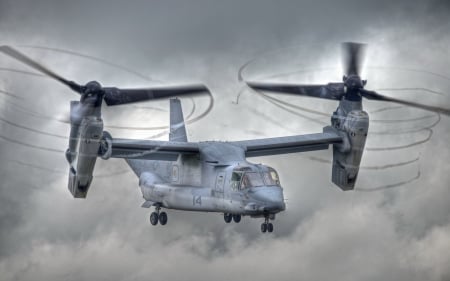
290	144
222	152
177	126
201	176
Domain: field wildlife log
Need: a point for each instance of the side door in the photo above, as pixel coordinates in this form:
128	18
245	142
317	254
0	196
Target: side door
218	190
220	182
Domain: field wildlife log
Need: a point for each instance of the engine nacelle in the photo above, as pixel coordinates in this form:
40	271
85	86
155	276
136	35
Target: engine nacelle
85	156
353	127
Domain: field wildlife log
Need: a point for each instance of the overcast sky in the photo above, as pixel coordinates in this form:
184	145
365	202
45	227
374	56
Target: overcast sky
397	233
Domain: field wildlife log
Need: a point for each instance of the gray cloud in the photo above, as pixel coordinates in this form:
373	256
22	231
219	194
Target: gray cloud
401	233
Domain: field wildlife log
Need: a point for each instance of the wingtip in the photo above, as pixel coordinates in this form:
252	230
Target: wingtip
197	86
204	86
201	87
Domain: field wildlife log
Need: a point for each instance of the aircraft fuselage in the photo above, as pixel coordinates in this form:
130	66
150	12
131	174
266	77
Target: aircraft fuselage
207	185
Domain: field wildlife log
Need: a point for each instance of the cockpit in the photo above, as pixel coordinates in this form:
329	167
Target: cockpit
247	177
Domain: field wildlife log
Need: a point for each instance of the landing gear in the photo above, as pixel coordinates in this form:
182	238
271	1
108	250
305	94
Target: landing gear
263	227
163	218
270	227
227	217
266	226
154	218
157	216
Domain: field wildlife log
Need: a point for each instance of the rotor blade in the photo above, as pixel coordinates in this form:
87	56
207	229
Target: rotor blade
353	57
371	95
332	91
116	96
28	61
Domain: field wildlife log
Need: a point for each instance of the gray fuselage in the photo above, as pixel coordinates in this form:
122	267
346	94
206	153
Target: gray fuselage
219	180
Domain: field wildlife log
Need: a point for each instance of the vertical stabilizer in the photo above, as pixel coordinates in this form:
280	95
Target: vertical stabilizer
177	128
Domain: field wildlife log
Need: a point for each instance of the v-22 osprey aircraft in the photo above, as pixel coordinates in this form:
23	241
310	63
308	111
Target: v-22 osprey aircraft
214	176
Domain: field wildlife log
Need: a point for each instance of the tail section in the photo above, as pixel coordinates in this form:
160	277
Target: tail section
177	133
177	127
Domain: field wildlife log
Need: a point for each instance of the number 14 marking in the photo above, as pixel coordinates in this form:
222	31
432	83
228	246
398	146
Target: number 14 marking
197	200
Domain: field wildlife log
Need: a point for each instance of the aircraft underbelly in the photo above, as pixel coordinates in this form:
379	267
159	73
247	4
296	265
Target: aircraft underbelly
183	197
194	198
191	199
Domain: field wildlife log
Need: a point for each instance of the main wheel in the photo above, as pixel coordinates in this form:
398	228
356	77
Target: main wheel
227	217
263	227
237	218
154	218
269	227
163	218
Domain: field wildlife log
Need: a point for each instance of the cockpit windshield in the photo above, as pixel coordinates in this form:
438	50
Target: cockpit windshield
252	179
247	179
271	177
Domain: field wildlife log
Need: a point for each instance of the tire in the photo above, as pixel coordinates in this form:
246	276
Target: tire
227	217
263	227
163	218
154	218
270	227
237	218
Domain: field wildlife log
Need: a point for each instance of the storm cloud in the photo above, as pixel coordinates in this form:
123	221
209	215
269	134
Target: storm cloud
398	233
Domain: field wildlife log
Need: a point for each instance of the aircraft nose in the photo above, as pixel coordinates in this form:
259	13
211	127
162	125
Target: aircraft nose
271	196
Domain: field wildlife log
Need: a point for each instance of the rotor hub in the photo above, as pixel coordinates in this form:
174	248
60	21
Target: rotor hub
353	82
93	88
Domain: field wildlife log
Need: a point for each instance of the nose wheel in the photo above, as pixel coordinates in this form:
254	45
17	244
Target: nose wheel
266	226
158	216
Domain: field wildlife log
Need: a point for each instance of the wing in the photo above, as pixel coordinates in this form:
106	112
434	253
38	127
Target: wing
169	150
290	144
151	150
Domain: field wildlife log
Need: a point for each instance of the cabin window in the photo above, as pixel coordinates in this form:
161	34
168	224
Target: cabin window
235	181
